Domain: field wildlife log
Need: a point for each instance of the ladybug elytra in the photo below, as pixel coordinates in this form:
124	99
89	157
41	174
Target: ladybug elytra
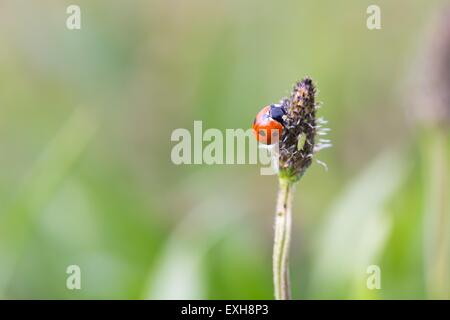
268	124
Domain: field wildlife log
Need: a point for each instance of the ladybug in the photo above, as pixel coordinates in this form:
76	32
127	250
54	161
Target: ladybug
269	123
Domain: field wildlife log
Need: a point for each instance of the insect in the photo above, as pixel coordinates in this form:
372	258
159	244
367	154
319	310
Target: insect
268	124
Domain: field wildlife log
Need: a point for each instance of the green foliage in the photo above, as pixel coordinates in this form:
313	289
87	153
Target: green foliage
85	124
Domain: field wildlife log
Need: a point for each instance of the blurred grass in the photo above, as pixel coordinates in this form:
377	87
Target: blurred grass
358	214
436	213
94	185
44	178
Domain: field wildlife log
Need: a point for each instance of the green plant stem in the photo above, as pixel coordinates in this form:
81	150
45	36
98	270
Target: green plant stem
437	219
283	217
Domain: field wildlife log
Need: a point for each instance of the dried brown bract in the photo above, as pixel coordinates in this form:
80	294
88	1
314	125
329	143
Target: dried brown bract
300	140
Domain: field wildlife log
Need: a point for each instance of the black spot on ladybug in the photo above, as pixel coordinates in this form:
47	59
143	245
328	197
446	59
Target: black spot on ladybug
262	133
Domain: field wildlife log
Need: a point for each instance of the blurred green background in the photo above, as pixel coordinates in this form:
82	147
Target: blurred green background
86	176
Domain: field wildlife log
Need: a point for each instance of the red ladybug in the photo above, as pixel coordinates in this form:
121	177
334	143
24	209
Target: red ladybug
268	124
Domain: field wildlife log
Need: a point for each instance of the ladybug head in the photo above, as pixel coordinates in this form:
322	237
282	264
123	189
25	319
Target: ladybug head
277	112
